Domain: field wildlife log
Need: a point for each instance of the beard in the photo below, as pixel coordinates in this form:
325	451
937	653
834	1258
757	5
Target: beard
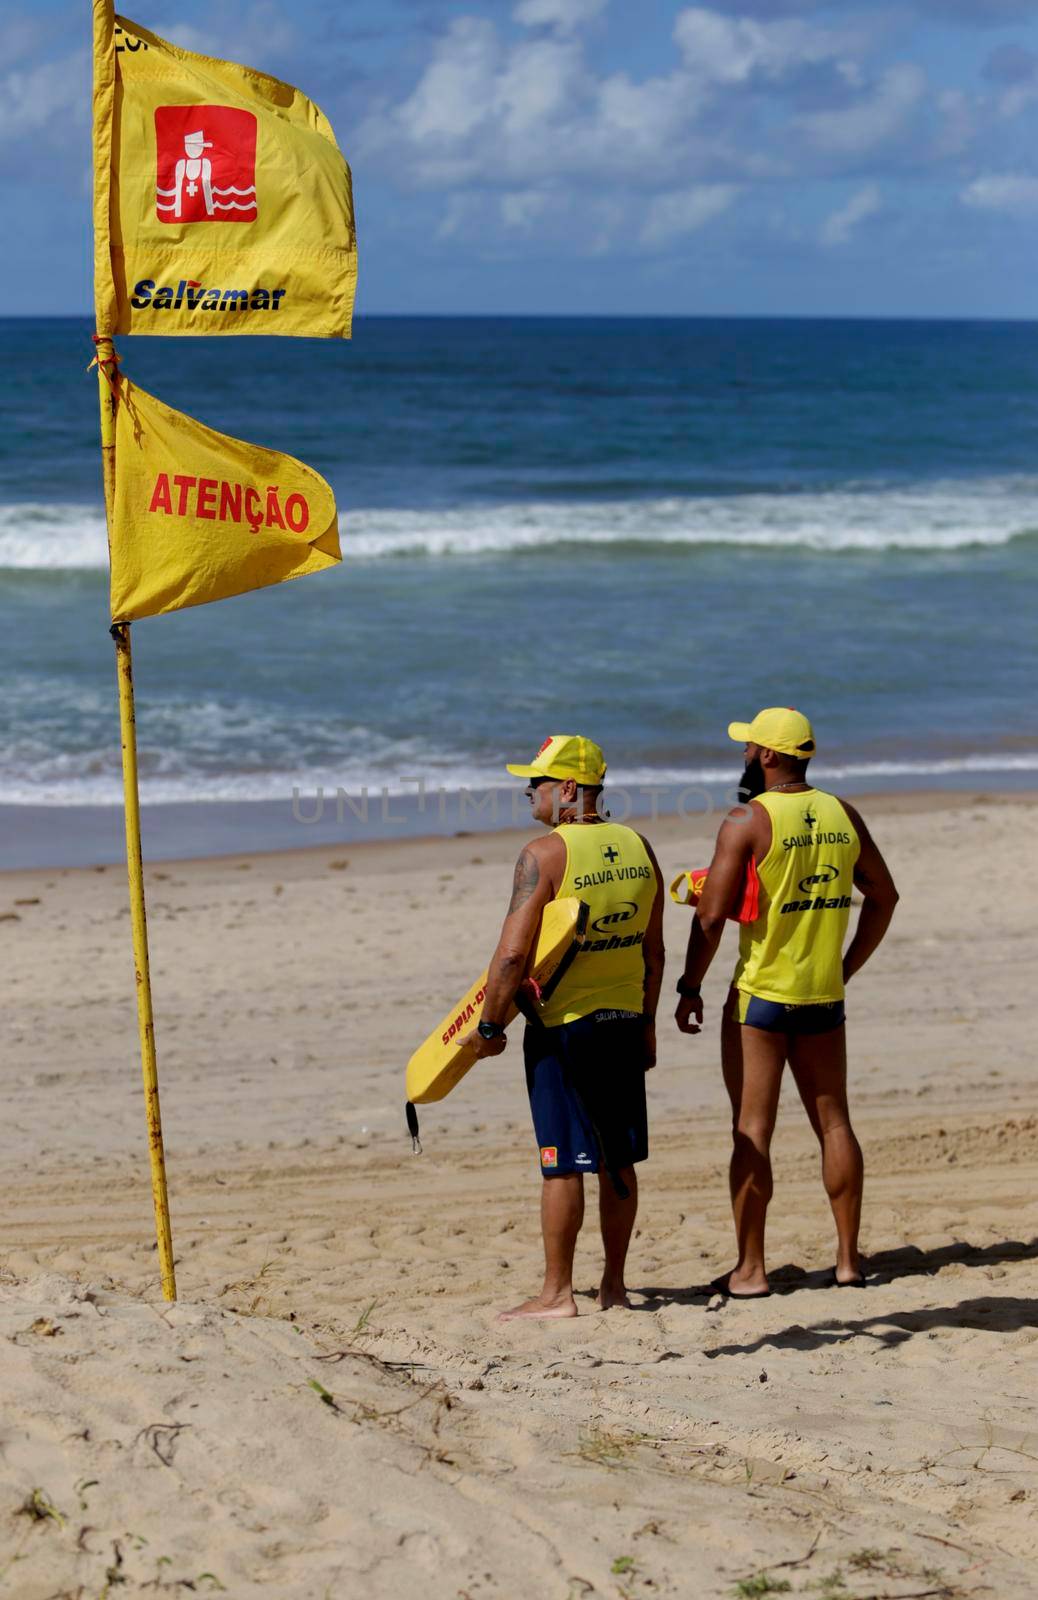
751	784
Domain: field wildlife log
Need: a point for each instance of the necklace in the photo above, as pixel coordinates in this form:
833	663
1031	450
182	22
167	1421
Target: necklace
794	783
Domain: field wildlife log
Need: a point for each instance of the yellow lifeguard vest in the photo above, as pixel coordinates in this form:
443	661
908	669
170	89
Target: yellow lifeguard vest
608	866
793	952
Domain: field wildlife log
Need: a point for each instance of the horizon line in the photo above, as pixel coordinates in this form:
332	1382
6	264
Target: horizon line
587	316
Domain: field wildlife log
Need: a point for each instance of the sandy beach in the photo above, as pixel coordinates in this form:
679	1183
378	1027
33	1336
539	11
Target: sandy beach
331	1410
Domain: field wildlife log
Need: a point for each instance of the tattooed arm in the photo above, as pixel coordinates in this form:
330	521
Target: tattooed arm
538	873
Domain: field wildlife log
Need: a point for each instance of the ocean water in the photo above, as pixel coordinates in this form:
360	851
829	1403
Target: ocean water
638	529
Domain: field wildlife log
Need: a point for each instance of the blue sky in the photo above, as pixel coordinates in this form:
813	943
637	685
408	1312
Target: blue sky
618	156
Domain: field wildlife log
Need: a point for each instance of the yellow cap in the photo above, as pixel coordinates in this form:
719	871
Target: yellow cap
778	728
565	755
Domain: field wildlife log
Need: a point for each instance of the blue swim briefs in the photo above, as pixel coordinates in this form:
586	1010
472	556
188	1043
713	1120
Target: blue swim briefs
773	1017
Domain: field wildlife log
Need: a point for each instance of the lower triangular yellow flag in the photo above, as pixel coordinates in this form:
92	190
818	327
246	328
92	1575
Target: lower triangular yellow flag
198	516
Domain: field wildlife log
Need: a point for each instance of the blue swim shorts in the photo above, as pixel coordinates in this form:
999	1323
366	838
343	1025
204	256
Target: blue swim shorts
586	1082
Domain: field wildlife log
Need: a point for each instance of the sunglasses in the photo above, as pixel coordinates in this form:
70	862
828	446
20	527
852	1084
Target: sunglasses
535	783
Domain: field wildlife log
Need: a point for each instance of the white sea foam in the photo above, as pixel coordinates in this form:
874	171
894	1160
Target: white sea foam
93	779
935	517
939	516
48	538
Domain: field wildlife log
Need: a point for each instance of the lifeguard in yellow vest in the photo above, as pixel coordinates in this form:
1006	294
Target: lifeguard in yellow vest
786	1002
588	1051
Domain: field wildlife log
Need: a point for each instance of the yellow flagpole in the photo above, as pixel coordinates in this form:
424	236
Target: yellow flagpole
108	379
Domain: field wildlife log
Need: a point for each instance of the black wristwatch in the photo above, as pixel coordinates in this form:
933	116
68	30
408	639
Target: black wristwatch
688	991
490	1030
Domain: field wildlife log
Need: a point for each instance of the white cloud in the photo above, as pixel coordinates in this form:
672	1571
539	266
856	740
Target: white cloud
533	113
487	113
531	128
522	207
872	118
259	35
734	50
1013	193
1012	101
1014	69
682	211
837	229
187	37
605	221
565	15
537	85
37	97
19	36
957	125
456	213
455	92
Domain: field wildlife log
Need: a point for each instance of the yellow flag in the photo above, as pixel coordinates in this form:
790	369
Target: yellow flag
222	203
198	516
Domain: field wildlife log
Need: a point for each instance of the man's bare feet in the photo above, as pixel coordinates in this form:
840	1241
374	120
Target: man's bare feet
541	1308
612	1294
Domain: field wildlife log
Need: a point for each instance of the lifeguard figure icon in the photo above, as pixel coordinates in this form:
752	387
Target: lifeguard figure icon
193	185
195	168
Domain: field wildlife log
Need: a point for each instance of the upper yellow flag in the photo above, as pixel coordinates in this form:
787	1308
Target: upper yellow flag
222	203
198	516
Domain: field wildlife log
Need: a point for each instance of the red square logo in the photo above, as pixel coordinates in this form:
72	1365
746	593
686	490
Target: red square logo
206	164
549	1155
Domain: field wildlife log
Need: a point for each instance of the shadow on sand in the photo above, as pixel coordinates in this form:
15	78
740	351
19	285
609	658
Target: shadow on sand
991	1313
908	1261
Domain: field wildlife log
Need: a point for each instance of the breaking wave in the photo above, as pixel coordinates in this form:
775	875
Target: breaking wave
944	516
